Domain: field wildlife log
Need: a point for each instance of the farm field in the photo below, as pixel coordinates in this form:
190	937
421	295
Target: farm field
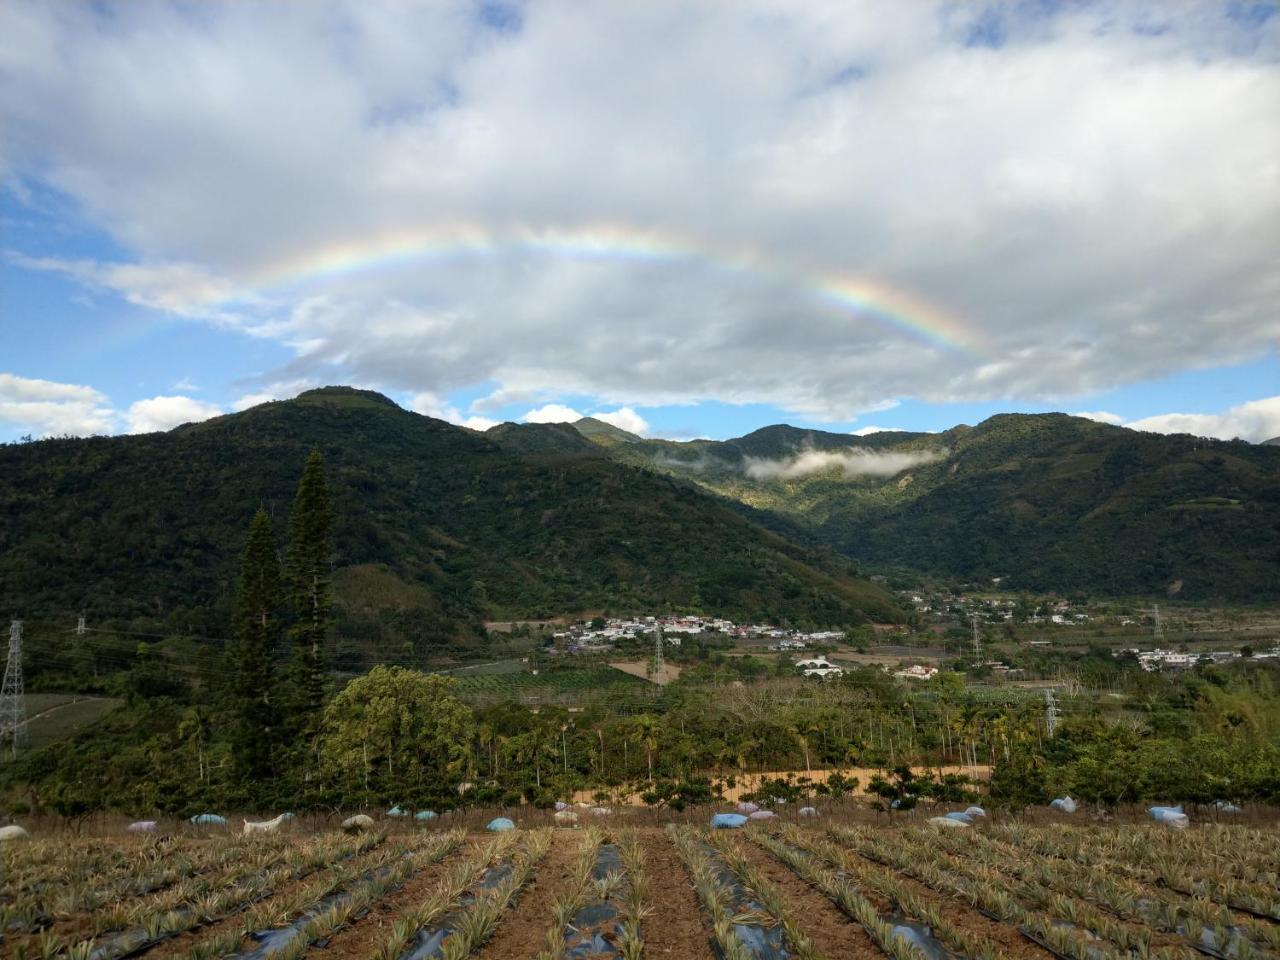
53	716
622	886
546	685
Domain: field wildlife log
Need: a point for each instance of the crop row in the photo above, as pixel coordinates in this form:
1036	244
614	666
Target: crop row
808	855
1064	916
557	680
1193	868
73	879
318	910
1198	920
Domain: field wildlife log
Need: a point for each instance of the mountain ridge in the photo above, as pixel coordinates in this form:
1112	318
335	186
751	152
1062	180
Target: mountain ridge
1050	502
437	528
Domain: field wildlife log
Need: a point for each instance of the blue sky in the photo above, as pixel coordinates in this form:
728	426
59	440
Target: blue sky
672	217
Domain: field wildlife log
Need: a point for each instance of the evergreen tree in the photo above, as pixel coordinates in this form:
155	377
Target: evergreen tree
254	715
308	575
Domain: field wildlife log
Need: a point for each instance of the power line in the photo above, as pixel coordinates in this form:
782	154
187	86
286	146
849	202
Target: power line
13	703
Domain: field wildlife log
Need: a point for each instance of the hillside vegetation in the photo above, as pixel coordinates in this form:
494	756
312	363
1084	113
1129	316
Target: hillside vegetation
437	527
1046	501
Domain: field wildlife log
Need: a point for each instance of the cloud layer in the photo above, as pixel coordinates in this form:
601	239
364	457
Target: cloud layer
624	418
165	413
854	462
637	202
49	409
1255	421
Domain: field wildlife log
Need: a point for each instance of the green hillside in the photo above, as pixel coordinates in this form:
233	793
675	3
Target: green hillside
1048	501
437	528
603	433
543	438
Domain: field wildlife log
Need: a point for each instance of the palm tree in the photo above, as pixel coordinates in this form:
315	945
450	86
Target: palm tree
647	728
194	728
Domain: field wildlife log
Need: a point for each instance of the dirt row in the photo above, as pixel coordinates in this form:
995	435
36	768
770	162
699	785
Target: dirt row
674	930
674	927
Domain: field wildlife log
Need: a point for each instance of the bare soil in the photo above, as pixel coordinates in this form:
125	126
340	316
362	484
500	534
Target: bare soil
523	928
1159	938
640	668
963	917
180	945
363	937
833	934
81	927
675	929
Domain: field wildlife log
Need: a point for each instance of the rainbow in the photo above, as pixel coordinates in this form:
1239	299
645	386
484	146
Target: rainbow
862	298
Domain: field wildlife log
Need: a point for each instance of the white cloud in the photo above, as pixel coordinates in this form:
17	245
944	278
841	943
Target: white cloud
46	408
178	288
430	405
165	413
867	431
644	203
624	418
185	385
1255	421
277	390
1102	416
552	413
854	462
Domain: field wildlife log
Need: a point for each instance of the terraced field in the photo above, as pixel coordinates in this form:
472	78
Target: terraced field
548	685
782	888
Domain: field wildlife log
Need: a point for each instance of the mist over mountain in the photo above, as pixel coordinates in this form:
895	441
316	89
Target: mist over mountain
1044	501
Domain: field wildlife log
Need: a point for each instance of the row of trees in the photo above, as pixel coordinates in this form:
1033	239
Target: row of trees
274	720
399	736
267	732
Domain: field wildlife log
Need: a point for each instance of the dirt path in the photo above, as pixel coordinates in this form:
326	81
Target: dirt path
522	931
674	928
59	706
834	935
366	935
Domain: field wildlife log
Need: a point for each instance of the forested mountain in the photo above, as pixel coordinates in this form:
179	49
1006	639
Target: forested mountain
437	527
1046	501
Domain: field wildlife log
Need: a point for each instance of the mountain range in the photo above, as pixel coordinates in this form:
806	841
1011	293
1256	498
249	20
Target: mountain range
1043	502
440	528
437	528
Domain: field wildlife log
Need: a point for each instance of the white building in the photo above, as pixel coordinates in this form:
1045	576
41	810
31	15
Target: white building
818	667
917	673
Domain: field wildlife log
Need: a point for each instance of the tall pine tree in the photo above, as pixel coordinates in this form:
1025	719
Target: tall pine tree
258	627
308	577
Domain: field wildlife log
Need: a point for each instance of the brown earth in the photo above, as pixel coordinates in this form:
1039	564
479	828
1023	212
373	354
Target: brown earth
640	668
750	782
522	930
1159	938
180	945
833	934
1005	937
675	928
81	927
365	935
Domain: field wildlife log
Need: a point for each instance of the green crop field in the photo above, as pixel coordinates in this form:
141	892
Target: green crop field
546	684
53	716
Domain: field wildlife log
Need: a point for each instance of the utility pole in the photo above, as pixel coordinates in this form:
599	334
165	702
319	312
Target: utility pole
1158	627
1050	712
977	644
657	654
13	703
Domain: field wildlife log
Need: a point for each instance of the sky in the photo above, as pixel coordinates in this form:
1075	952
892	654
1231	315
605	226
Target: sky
689	219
